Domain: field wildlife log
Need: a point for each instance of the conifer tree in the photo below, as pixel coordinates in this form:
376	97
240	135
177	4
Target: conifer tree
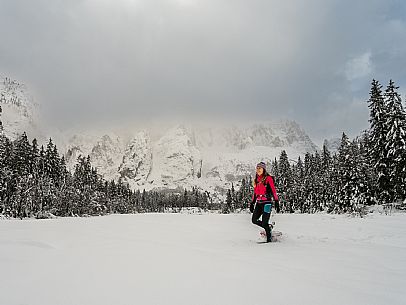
227	206
317	182
22	159
1	123
285	182
345	164
351	195
367	169
6	173
308	182
298	187
378	137
395	146
326	191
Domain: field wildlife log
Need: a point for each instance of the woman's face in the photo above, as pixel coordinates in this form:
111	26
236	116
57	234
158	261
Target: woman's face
260	171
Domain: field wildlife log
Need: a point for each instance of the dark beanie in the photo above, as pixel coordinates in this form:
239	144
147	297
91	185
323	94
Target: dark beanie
262	164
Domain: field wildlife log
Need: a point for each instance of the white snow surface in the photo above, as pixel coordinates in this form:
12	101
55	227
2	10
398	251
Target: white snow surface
203	259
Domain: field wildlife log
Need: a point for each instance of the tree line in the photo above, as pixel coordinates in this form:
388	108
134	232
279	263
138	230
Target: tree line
370	169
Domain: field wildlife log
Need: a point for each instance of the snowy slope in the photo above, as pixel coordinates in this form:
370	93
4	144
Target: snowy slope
207	155
136	165
105	151
20	111
175	159
332	144
203	259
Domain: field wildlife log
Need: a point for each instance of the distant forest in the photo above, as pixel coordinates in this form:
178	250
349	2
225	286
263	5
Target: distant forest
368	170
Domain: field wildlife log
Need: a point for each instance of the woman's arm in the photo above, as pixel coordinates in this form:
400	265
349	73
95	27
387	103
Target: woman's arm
273	189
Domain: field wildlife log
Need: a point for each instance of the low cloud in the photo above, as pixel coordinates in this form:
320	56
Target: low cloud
131	59
359	67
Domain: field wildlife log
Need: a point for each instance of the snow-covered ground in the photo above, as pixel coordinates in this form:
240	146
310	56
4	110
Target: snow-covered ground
203	259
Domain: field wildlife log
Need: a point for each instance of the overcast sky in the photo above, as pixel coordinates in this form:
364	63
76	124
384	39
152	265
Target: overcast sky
307	60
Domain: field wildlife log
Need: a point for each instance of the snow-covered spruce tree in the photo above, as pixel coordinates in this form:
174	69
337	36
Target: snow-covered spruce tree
49	168
325	179
298	186
81	182
185	200
233	198
144	200
227	205
66	193
366	169
275	172
90	198
244	194
285	183
345	163
205	201
22	163
360	196
5	170
1	123
335	186
35	157
308	183
22	156
33	194
53	163
395	147
378	132
293	191
352	196
317	204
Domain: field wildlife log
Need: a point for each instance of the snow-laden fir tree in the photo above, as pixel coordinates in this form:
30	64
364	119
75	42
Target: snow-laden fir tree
53	163
227	206
22	157
308	182
335	186
244	194
318	187
351	194
285	183
346	163
378	132
5	169
1	123
325	177
366	169
299	187
395	146
360	189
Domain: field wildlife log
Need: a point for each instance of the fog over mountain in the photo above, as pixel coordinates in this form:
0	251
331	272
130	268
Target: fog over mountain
309	61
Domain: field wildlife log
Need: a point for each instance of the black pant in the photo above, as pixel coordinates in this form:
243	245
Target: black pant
264	223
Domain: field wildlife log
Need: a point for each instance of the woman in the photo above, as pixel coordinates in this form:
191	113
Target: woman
264	196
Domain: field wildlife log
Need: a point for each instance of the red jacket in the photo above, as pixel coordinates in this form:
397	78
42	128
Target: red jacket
265	191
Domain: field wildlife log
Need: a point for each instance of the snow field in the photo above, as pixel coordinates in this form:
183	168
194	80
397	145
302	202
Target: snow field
203	259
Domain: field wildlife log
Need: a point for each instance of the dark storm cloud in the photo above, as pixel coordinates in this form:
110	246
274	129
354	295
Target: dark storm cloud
311	61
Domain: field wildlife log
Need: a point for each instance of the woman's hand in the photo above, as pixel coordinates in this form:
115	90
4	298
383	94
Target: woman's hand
252	207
